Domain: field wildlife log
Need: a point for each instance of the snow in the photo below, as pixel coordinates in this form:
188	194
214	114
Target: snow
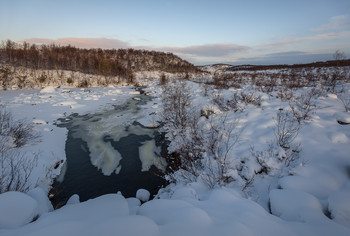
16	209
309	197
184	193
343	117
143	195
339	138
44	204
133	204
221	211
339	207
48	89
86	218
74	199
294	205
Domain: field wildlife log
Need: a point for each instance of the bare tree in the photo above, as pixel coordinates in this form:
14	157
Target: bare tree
338	56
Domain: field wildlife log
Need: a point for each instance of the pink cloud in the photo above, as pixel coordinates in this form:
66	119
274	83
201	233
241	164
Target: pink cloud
83	42
208	50
288	42
335	23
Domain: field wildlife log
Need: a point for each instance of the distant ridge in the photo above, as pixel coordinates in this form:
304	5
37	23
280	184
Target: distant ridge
307	65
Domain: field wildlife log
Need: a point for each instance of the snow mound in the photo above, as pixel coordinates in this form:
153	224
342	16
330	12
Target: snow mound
44	204
74	199
133	204
339	138
169	212
331	95
184	192
106	206
143	195
130	225
294	205
343	117
48	89
16	209
339	207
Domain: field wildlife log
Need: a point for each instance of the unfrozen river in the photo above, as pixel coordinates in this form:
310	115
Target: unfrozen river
107	152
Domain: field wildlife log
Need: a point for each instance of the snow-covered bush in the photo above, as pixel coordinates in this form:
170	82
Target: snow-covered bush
199	146
345	101
286	129
227	80
281	153
219	136
15	167
210	158
176	104
304	105
237	101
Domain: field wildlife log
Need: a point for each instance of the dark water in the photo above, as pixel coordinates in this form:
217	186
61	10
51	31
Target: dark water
84	179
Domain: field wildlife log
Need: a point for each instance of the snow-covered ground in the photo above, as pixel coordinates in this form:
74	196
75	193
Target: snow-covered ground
309	197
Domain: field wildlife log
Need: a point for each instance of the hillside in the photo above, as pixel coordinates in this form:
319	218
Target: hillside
117	62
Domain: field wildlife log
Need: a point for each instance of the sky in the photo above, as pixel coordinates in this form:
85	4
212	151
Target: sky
202	32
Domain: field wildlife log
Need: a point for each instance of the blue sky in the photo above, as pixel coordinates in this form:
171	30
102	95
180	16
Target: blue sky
236	32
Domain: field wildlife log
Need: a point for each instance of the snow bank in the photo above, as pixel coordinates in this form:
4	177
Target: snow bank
174	212
185	193
44	204
342	117
16	209
339	206
294	205
130	225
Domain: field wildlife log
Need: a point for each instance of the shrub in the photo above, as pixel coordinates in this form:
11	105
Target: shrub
83	84
15	167
163	79
303	106
69	80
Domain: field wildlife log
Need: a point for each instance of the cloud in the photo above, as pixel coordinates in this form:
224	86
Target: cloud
289	57
288	42
105	43
208	50
335	23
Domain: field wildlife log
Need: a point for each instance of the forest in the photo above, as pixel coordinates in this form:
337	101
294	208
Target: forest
113	62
